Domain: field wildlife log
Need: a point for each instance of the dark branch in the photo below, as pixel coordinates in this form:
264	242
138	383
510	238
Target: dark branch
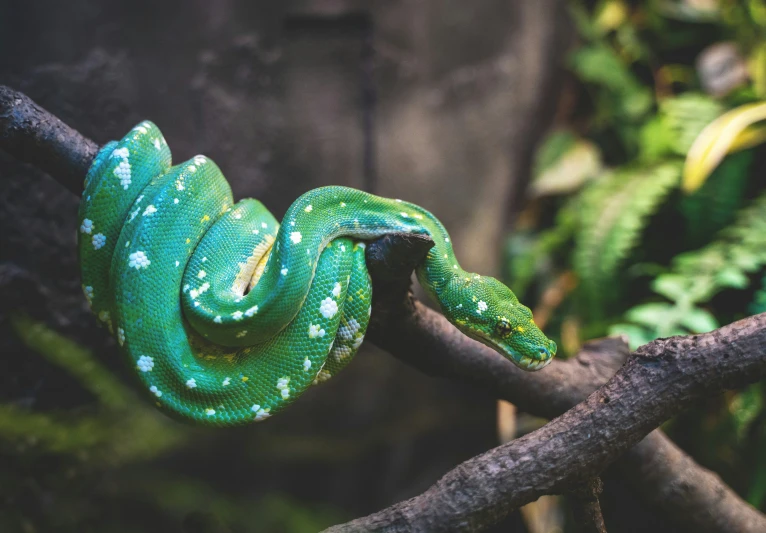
586	507
31	134
660	380
420	337
693	496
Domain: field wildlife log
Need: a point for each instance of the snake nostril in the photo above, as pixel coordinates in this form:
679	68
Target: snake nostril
544	352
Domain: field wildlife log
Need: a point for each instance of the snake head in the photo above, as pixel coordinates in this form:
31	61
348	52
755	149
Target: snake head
491	314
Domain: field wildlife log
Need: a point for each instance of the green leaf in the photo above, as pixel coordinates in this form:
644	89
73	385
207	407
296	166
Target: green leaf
731	277
671	286
651	314
637	335
699	321
615	210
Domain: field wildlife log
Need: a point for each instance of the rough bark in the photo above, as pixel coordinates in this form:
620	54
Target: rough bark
659	380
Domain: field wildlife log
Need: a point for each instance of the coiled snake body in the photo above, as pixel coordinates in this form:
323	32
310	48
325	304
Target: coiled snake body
227	316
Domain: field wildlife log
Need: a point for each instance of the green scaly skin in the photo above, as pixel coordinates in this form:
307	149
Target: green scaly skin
227	316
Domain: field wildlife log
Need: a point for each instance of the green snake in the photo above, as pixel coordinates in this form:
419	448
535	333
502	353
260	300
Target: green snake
228	316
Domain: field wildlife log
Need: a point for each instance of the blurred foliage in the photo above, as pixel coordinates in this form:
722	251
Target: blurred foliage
651	193
110	457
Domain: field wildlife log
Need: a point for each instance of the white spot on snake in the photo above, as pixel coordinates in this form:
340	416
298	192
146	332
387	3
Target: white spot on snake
342	247
454	266
186	287
282	383
145	363
255	408
180	185
204	259
308	209
398	200
149	210
445	256
99	240
292	223
323	376
237	215
285	394
296	237
191	383
446	239
201	274
122	171
178	263
191	168
121	336
237	315
262	414
328	308
336	290
193	293
357	342
154	390
343	204
241	333
361	245
315	331
200	159
349	331
419	217
253	310
157	144
284	271
404	215
196	304
122	153
340	352
263	225
88	293
138	260
256	232
86	226
138	200
217	319
175	200
226	382
209	412
134	214
482	306
306	365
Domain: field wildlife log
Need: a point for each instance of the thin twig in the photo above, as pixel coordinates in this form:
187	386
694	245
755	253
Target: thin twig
586	507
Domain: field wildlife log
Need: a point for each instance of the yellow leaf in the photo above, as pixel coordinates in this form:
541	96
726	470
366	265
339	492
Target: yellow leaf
728	133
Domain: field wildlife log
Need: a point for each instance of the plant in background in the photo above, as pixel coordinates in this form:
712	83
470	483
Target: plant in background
651	193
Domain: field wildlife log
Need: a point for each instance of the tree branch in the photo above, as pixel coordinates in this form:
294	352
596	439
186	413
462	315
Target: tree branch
586	507
422	338
660	380
31	134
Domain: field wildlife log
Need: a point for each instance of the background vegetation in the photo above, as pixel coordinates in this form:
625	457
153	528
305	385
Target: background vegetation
631	230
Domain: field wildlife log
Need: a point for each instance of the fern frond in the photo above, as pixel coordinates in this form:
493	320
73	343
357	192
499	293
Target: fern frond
715	205
614	212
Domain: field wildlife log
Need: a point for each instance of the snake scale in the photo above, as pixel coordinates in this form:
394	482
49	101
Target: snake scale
228	316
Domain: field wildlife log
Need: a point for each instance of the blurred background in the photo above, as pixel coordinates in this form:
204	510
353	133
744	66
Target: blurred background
548	135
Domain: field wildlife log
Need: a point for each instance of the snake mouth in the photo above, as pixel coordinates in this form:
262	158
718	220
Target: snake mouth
524	362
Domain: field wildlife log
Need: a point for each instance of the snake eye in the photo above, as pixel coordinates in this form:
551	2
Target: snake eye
503	328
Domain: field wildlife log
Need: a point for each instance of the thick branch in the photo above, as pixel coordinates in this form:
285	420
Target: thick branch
424	339
660	380
693	496
33	135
